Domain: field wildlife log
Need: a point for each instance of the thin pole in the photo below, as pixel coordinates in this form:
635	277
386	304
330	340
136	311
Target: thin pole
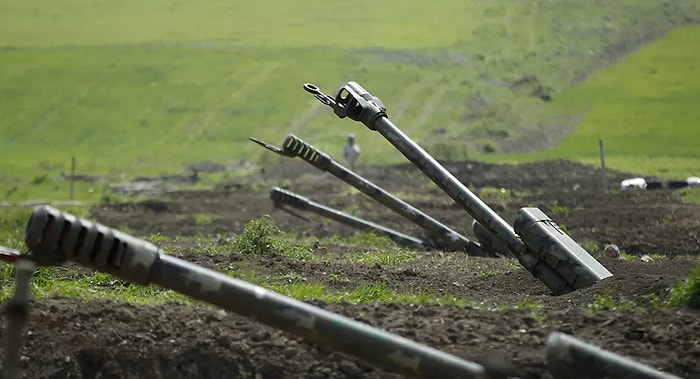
72	175
602	165
17	318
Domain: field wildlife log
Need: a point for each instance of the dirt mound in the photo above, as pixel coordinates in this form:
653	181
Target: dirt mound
568	192
504	313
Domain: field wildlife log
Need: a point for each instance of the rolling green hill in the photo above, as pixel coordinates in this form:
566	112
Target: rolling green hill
138	88
644	108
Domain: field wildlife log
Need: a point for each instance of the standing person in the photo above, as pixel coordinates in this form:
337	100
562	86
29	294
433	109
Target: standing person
351	152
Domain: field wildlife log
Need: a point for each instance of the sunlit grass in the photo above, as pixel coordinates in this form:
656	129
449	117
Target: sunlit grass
147	88
644	109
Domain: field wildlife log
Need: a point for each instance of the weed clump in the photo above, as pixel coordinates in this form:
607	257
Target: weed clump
687	292
260	237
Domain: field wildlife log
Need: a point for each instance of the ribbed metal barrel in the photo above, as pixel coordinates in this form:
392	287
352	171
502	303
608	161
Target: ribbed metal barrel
52	235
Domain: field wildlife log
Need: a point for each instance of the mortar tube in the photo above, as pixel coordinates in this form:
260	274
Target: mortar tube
294	146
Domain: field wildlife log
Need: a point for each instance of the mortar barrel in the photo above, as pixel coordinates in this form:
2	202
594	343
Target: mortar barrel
52	232
571	358
542	248
295	146
281	196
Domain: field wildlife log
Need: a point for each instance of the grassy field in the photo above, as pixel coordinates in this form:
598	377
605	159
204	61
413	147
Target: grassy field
644	108
135	88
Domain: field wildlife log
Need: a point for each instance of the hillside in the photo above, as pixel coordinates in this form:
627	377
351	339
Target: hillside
644	108
134	88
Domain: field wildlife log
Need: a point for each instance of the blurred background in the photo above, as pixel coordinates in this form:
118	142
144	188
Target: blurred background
130	88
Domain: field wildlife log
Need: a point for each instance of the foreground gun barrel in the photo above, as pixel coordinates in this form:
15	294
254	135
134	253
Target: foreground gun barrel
570	358
296	147
53	236
284	197
542	246
17	317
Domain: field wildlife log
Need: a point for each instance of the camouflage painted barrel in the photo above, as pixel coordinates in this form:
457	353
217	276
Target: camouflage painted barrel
294	146
55	236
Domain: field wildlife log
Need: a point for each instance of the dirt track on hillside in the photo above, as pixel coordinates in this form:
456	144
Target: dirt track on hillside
187	340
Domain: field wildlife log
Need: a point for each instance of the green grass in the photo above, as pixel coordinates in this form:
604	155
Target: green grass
138	88
142	88
388	257
262	237
608	302
644	108
365	239
313	23
687	292
61	281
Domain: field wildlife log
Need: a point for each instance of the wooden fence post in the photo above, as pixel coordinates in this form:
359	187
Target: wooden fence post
602	165
72	175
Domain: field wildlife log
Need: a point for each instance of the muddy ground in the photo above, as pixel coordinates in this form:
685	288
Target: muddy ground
107	339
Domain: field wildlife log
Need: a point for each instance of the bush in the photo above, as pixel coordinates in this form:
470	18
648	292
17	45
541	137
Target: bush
262	237
259	237
488	147
687	292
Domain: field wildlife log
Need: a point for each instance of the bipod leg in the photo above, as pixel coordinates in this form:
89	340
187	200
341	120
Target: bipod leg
17	317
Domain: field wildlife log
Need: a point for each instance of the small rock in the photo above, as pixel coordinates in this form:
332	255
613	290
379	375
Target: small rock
220	314
646	258
349	368
612	251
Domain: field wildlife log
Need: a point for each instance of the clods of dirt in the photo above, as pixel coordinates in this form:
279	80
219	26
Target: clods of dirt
503	320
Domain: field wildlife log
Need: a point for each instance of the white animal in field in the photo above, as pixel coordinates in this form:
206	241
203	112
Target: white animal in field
633	184
693	182
351	152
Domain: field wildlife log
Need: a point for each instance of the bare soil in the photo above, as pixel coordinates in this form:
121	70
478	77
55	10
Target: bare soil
108	339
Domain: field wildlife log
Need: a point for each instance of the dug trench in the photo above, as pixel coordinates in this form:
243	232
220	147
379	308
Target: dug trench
505	317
